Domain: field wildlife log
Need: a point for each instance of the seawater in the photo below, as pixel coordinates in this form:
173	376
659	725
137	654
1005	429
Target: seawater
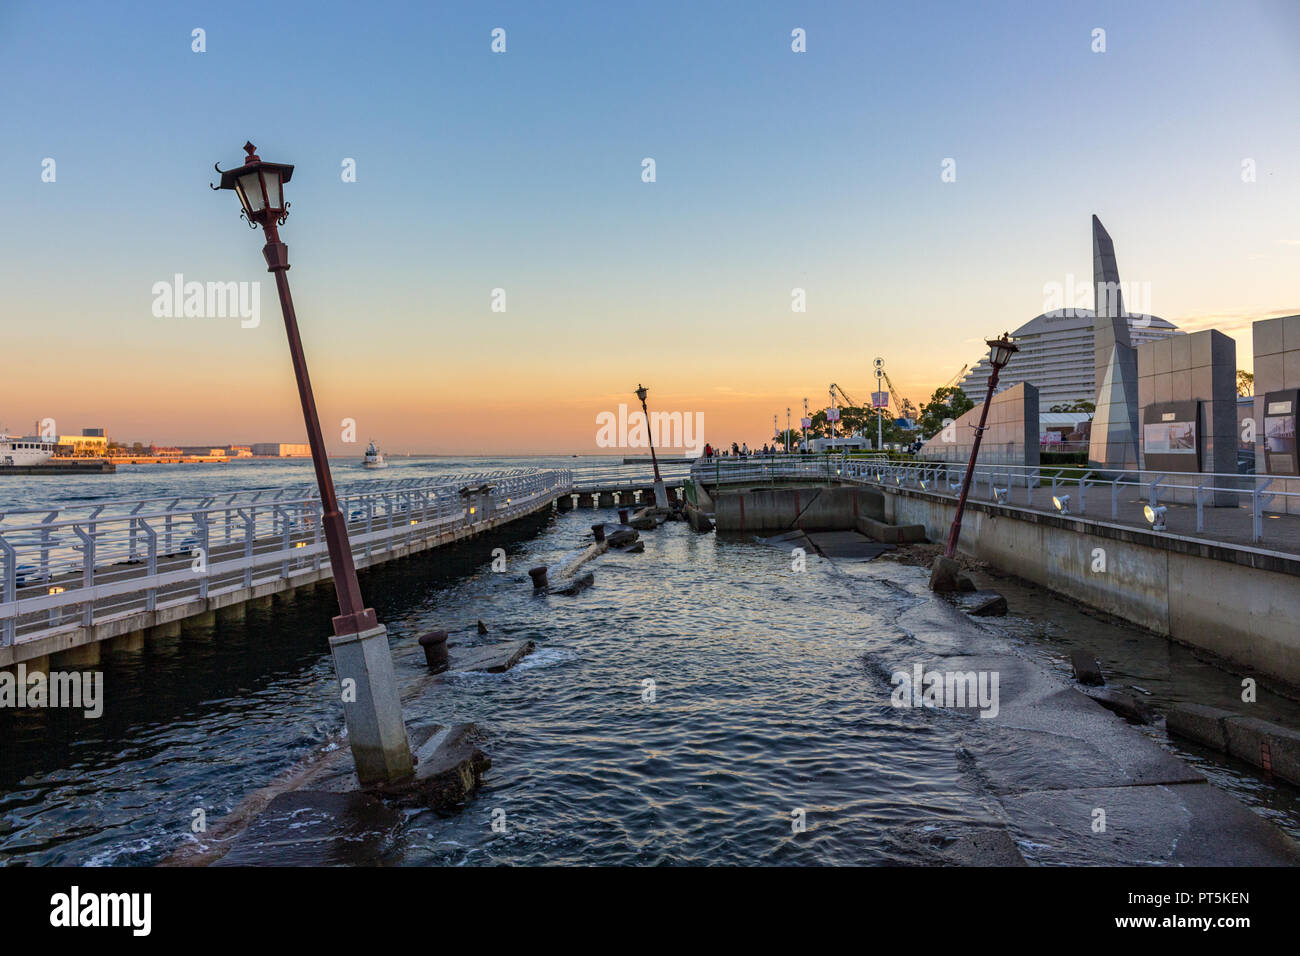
769	699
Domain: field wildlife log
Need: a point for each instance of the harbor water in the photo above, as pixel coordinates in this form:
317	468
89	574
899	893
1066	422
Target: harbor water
683	711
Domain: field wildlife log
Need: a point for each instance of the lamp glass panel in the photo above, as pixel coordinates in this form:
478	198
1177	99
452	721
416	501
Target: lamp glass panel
271	177
250	192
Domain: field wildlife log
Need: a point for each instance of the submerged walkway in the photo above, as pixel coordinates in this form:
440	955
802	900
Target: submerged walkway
1065	781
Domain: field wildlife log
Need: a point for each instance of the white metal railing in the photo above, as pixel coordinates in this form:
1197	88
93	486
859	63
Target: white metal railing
1225	493
612	477
770	468
77	566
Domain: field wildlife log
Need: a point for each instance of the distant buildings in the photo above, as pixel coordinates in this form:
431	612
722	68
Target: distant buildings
280	450
1057	355
95	443
92	442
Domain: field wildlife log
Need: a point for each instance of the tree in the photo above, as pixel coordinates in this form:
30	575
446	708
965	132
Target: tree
948	401
1081	407
794	435
1245	382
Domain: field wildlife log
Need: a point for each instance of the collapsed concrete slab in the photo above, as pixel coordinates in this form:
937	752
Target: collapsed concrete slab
492	658
318	815
847	545
891	533
1200	723
1268	746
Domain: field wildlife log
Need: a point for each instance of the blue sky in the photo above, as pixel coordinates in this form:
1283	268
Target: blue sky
522	171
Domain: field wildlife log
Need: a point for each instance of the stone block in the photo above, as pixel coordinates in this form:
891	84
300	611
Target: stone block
1266	335
1200	723
1086	668
1268	746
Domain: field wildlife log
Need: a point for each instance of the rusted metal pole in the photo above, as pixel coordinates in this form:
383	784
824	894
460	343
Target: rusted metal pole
353	617
950	549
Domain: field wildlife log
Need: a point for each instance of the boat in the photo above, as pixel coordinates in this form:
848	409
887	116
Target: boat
24	451
374	458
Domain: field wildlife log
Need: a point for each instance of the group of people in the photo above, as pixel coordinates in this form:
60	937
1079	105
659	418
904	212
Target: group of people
741	451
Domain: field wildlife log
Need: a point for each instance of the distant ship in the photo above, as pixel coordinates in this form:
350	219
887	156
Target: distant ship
24	451
374	458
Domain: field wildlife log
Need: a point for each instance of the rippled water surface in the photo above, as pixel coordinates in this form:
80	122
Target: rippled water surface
764	703
770	696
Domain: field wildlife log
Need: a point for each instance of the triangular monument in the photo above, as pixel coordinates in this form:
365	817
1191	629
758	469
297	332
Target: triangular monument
1114	442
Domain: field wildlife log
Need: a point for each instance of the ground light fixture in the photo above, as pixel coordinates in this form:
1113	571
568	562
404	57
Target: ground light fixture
1155	516
1061	504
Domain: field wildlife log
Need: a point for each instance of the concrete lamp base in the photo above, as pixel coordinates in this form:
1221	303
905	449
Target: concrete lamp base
661	495
371	707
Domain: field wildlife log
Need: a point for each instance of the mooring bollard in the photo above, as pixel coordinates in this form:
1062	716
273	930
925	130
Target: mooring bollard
435	651
599	531
622	516
539	578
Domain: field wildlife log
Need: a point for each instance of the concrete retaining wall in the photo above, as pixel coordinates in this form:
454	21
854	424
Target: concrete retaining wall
1240	603
764	510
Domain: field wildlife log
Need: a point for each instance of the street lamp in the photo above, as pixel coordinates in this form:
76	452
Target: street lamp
1000	352
661	493
362	660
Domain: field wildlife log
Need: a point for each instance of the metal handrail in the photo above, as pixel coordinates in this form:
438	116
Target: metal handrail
120	557
1243	490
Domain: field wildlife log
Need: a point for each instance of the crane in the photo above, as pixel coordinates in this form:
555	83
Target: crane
848	401
898	399
956	378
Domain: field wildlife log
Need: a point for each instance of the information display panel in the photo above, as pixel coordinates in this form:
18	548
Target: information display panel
1278	436
1171	436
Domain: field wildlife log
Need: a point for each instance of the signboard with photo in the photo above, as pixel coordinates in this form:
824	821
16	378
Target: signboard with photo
1171	436
1279	432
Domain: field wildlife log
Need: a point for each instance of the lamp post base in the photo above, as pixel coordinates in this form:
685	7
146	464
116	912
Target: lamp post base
371	707
661	494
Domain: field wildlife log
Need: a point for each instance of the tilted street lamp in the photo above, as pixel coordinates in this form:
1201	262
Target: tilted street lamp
362	659
661	493
1000	352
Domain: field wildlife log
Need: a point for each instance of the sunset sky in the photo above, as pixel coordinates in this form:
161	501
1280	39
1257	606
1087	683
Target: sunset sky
522	170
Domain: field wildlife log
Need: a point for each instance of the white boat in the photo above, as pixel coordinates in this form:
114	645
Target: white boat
374	458
24	451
